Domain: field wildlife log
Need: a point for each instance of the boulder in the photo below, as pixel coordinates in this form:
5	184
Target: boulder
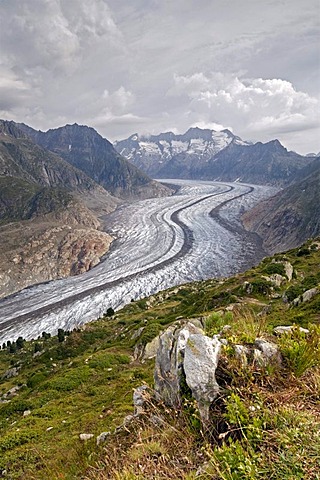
187	357
266	352
200	362
306	296
169	362
288	269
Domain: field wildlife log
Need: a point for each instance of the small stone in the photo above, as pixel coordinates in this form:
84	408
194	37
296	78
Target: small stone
241	354
26	413
49	428
289	329
139	399
102	437
85	436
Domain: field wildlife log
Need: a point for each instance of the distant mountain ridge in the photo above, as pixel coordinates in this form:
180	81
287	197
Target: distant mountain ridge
85	149
156	153
209	155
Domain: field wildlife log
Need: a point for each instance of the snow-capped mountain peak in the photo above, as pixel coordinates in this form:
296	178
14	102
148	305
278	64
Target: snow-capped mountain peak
153	152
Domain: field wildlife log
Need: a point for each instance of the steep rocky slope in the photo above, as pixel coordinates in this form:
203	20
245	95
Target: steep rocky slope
211	155
86	150
290	217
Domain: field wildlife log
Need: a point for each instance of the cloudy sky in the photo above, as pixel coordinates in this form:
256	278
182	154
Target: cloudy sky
148	66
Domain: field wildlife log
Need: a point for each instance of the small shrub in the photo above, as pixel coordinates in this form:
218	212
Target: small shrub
301	351
260	286
274	268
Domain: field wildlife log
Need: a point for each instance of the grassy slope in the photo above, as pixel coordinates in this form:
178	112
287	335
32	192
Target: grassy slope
85	384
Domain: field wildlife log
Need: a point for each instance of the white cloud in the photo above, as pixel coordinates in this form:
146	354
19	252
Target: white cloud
251	106
119	100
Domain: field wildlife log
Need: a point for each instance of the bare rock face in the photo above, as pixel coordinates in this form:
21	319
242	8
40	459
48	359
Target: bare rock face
186	355
38	252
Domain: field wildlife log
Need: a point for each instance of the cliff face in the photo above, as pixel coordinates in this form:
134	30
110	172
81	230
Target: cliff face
290	217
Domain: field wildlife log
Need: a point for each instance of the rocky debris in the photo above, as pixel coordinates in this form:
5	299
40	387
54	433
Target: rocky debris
276	279
12	392
261	353
306	296
26	413
10	373
281	329
53	251
102	438
85	436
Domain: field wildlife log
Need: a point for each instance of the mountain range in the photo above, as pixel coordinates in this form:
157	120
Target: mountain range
210	155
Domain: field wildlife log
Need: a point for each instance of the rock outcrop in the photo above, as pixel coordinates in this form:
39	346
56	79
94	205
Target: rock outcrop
186	357
187	361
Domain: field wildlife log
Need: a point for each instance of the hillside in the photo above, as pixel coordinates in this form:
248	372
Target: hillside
290	217
209	155
85	149
48	214
59	394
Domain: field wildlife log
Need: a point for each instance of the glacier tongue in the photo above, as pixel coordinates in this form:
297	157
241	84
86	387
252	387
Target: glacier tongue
161	242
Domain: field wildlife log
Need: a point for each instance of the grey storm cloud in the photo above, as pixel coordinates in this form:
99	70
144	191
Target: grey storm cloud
154	65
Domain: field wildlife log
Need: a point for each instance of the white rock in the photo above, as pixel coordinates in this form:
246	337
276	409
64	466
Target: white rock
200	362
85	436
289	329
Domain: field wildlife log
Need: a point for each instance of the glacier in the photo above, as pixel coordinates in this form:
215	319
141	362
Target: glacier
160	243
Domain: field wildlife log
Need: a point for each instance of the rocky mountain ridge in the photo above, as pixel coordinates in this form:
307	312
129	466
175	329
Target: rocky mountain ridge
86	150
209	155
154	153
